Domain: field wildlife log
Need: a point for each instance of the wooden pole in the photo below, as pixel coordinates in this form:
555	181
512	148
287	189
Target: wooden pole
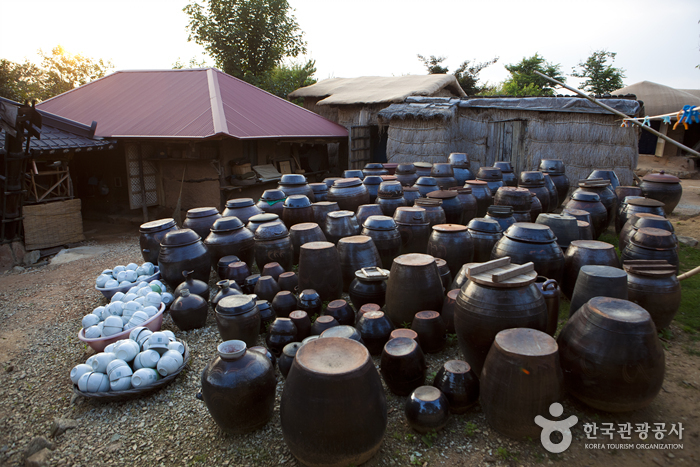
620	114
144	205
688	274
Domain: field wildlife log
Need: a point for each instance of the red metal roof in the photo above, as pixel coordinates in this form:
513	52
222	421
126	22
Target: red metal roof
186	104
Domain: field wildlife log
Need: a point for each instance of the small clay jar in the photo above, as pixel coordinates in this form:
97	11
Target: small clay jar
369	286
260	219
310	301
200	220
267	315
281	332
189	311
223	264
226	288
303	323
284	303
288	281
448	309
341	311
427	409
431	330
237	272
322	323
272	202
459	384
238	317
195	286
249	283
266	288
287	358
242	208
403	366
375	329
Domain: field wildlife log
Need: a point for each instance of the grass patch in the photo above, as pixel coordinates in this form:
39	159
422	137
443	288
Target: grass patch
689	313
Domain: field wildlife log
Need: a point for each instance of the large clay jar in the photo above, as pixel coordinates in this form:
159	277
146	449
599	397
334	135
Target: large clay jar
260	219
303	233
460	167
183	250
492	176
320	191
553	193
649	243
320	270
374	168
459	384
386	237
469	205
349	193
535	208
284	302
403	365
390	197
272	202
443	175
273	245
564	227
321	210
450	204
426	185
590	202
423	169
369	286
433	210
623	192
520	199
333	379
238	317
655	289
340	224
414	285
606	175
200	220
427	410
355	253
406	174
503	215
550	292
638	205
605	193
663	187
431	330
640	220
585	253
297	210
412	224
555	169
527	242
534	181
151	234
483	195
484	308
375	329
485	234
372	183
367	210
453	243
342	312
295	184
529	361
189	311
238	388
227	237
509	177
242	208
410	194
611	356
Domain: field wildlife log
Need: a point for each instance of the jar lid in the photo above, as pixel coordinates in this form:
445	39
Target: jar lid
650	268
379	223
593	183
489	173
227	224
426	181
180	237
263	218
501	211
501	273
442	194
339	214
297	201
405	169
466	190
309	294
271	231
373	180
201	212
157	225
293	179
504	166
644	202
263	305
645	219
423	165
442	169
390	189
373	274
450	228
410	189
654	239
273	195
353	174
484	224
239	203
661	177
587	196
555	166
236	304
318	187
347	182
458	158
476	183
374	166
530	232
617	315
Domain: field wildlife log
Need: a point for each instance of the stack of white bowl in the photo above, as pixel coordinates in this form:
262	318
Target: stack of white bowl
124	275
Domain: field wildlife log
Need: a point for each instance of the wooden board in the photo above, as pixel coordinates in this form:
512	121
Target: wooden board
501	273
52	224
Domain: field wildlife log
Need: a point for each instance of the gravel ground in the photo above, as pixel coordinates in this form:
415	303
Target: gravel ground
41	309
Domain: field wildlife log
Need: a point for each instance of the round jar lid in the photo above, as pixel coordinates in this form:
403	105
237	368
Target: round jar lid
490	173
239	203
202	212
423	165
347	182
297	201
227	224
373	274
273	195
426	181
483	224
293	179
318	187
442	194
450	228
476	183
645	202
530	232
526	342
379	223
180	237
339	214
271	231
654	239
661	178
263	218
373	180
587	196
503	166
617	315
466	190
236	304
157	225
374	166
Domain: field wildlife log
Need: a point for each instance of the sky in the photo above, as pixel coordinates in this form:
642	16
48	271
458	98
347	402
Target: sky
654	40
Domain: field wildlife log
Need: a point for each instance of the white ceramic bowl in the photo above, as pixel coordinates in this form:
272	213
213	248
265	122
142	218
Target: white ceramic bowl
146	359
93	332
128	350
114	364
144	377
120	372
177	347
122	384
90	320
102	359
169	362
93	382
78	371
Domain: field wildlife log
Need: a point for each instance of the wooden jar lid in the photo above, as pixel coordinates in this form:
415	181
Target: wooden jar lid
502	274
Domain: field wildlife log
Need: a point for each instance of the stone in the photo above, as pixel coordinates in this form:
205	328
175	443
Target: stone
61	425
36	445
31	257
18	251
7	260
39	459
689	241
18	269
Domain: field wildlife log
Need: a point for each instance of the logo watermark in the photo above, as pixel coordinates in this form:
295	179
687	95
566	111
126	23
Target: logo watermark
550	426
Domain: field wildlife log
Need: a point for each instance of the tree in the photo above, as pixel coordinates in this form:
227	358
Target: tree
467	73
19	81
246	38
523	82
284	79
600	76
433	64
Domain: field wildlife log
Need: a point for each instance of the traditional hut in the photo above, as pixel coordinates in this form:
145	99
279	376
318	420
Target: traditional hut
355	102
519	130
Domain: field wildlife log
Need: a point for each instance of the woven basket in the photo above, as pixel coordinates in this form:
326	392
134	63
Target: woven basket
52	224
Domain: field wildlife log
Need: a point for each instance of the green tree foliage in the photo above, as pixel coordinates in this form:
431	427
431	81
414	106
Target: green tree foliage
284	79
600	76
59	72
523	82
246	38
467	73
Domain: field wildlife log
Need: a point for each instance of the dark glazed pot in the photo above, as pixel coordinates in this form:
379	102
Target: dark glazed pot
272	202
414	285
151	234
535	208
605	193
445	274
344	331
242	208
453	243
263	351
412	224
340	224
288	281
403	365
320	270
310	301
272	269
183	250
450	204
540	191
649	243
284	303
637	205
410	194
200	220
342	312
372	184
321	210
550	292
406	174
459	384
367	210
431	330
267	316
623	192
503	215
585	231
226	288
426	185
485	234
349	193
598	281
389	201
529	361
303	233
222	266
656	290
663	187
433	210
386	237
520	199
238	317
553	193
585	253
333	379
301	320
238	388
469	204
606	175
492	176
322	323
189	311
611	356
637	221
427	409
287	357
590	202
525	242
320	191
509	177
260	219
273	245
237	272
297	210
369	286
249	284
423	168
375	329
195	286
229	237
295	184
555	169
448	309
563	226
443	175
483	195
281	332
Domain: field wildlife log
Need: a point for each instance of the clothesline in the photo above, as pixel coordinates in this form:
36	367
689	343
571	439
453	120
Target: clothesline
688	114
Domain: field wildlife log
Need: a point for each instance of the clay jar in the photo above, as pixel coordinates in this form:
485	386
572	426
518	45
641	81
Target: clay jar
321	210
423	168
563	226
238	388
459	384
349	193
189	311
637	205
443	175
492	176
649	243
273	245
226	288
406	174
375	329
611	356
272	202
485	234
242	208
386	237
623	192
356	252
183	250
281	332
412	224
151	234
469	204
410	194
524	242
433	210
229	237
555	169
585	253
503	215
606	195
301	320
287	357
369	286
431	330
509	177
288	281
450	204
529	361
550	292
238	317
427	409
640	220
303	233
320	191
414	285
390	197
606	175
342	312
340	224
200	220
655	289
295	184
367	210
483	195
590	202
403	365
223	264
372	183
333	379
310	301
260	219
426	185
195	286
266	288
237	272
320	270
519	199
453	243
297	210
448	309
534	181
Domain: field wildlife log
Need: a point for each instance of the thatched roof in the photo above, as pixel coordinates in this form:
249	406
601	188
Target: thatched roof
419	111
378	89
659	99
694	92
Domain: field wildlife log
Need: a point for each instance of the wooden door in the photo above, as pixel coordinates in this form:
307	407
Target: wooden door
360	146
505	143
151	175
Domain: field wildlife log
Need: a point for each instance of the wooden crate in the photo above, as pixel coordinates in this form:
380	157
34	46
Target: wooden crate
52	224
240	169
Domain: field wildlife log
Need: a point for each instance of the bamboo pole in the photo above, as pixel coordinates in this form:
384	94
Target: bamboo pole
688	274
620	114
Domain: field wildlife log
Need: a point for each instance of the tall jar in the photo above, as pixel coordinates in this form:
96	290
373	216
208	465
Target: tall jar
341	224
469	204
526	242
272	202
606	195
453	243
656	290
414	285
485	234
649	243
492	176
443	175
509	177
590	202
273	245
238	317
183	250
229	237
534	181
450	204
483	195
200	220
412	224
406	174
151	234
356	252
663	187
635	205
433	210
349	193
296	184
372	183
386	237
242	208
369	286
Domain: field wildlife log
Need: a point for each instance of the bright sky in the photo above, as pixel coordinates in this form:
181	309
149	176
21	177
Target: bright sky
655	40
